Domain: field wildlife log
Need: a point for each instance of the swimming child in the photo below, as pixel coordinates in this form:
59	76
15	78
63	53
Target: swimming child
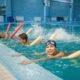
23	38
5	35
2	35
52	52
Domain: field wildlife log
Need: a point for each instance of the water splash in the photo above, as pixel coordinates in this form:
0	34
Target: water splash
62	34
37	30
19	32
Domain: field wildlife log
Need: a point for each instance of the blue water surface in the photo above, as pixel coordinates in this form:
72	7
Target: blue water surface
66	69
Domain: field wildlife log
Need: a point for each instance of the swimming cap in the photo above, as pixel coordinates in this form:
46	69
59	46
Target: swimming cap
52	42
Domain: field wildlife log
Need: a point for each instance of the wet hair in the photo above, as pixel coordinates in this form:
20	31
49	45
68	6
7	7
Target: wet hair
52	42
23	36
0	37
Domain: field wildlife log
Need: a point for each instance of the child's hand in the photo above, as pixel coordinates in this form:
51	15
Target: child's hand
6	36
16	55
27	61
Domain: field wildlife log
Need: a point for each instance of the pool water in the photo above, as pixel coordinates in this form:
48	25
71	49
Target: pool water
67	41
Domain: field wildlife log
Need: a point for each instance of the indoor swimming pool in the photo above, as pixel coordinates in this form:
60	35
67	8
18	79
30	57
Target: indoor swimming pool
68	41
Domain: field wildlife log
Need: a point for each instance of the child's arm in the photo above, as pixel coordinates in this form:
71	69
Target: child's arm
38	40
21	54
42	59
73	55
37	60
31	61
6	36
38	54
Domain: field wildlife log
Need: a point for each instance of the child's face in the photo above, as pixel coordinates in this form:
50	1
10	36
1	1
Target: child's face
50	49
21	40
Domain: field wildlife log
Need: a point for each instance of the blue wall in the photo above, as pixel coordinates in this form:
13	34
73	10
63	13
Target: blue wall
8	8
27	8
76	10
1	1
31	8
59	9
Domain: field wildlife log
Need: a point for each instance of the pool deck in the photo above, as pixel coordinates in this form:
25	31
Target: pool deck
5	74
21	72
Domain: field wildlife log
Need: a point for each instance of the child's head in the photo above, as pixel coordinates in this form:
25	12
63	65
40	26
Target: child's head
23	38
50	47
2	35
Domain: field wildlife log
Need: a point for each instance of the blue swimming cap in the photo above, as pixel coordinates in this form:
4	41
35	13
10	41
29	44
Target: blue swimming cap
52	42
